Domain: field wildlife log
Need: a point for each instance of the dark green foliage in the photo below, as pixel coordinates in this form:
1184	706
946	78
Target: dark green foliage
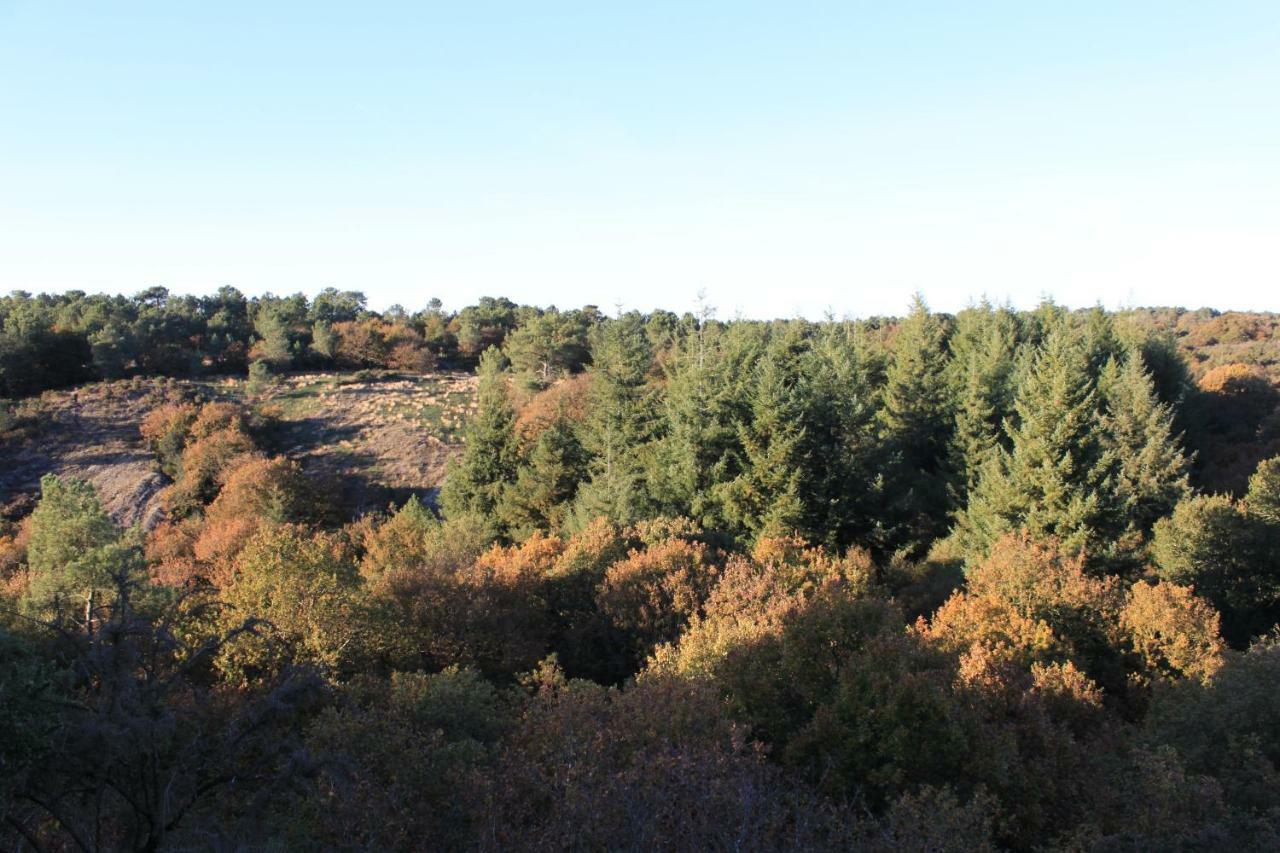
1230	555
842	450
1151	470
545	483
260	377
767	499
334	306
1057	478
323	344
618	423
708	379
133	748
1229	727
409	746
484	325
29	688
49	341
982	371
1263	497
74	552
476	483
35	352
272	326
917	418
549	345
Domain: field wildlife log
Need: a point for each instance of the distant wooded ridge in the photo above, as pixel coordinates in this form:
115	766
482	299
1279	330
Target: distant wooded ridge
60	340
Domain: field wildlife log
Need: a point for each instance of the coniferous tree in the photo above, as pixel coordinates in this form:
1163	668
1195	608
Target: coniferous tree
545	482
74	551
546	346
1102	343
842	450
916	417
113	350
272	328
475	484
984	362
619	423
323	340
767	498
1039	324
707	394
1151	470
1161	357
1056	481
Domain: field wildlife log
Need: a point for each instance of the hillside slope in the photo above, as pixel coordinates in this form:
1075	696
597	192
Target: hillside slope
373	438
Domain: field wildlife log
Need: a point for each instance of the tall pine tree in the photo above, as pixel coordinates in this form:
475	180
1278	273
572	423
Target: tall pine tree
619	423
272	327
1151	470
981	373
917	420
842	450
1057	479
707	393
767	498
475	484
546	482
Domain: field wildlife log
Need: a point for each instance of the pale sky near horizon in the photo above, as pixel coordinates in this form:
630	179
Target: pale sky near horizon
785	158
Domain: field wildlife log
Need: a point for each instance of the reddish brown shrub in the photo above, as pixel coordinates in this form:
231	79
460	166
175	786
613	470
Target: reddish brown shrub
653	593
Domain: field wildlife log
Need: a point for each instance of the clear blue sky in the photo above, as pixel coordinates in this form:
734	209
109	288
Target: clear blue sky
786	158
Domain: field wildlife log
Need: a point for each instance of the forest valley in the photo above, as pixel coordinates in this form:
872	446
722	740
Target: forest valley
985	581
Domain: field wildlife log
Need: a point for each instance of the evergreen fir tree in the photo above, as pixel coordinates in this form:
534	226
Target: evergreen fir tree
1056	481
917	421
619	423
1263	497
1101	342
545	482
323	343
707	393
475	484
260	378
1151	470
984	350
767	497
842	450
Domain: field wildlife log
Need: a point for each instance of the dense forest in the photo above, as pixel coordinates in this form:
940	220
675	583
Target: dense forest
992	580
53	341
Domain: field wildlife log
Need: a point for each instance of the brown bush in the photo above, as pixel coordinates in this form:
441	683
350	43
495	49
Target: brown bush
255	493
170	552
568	398
451	607
165	429
218	442
1040	604
13	557
215	417
377	343
1175	632
653	593
1235	379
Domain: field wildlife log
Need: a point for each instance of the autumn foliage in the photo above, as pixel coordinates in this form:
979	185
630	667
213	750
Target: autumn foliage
942	583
